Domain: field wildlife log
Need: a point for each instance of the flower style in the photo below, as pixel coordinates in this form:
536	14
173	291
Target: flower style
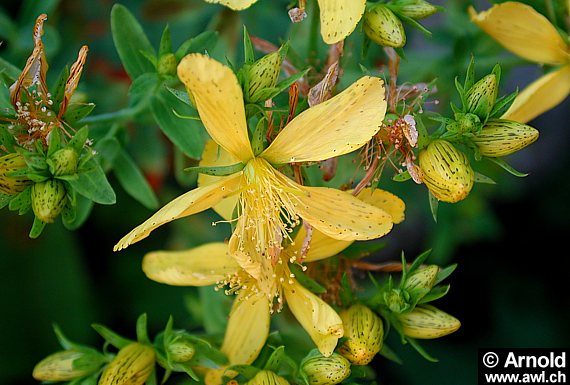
34	106
528	34
248	325
269	204
338	17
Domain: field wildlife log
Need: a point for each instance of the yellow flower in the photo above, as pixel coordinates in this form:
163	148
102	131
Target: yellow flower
269	203
29	95
338	17
528	34
248	325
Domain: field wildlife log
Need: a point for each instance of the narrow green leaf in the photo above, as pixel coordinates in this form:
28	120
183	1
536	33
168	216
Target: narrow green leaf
391	355
435	293
83	208
181	95
502	105
249	57
346	294
58	89
165	46
507	167
130	40
4	200
79	139
10	70
480	178
421	350
77	111
37	228
470	75
202	42
133	181
21	202
93	184
62	339
142	333
305	280
444	273
402	177
433	205
111	337
420	259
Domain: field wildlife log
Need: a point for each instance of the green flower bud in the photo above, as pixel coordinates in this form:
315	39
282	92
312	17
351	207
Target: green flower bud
265	377
382	26
395	299
132	366
466	123
181	350
423	278
48	199
68	365
416	9
12	185
481	98
500	137
427	322
263	74
63	162
321	370
364	332
167	65
446	171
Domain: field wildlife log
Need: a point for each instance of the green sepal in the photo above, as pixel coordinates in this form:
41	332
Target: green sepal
181	95
461	92
21	202
217	170
79	139
133	181
502	105
111	337
4	200
433	205
82	210
249	57
507	167
151	57
142	331
281	364
65	342
58	89
259	140
420	259
480	178
444	273
435	293
69	211
77	111
402	177
37	228
165	46
421	350
306	281
271	92
389	354
470	75
413	23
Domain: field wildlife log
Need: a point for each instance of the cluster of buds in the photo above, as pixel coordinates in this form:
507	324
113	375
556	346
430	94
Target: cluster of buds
383	22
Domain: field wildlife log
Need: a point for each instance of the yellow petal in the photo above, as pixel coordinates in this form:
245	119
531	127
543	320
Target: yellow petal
214	155
194	201
319	319
540	96
342	216
339	18
201	266
219	101
322	246
248	328
236	5
333	128
523	31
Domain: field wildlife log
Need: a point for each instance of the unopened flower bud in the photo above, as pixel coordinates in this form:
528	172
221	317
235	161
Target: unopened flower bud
132	366
321	370
263	74
416	9
427	322
181	350
167	65
423	278
446	171
63	162
266	377
500	137
364	332
482	96
48	199
9	164
68	365
383	27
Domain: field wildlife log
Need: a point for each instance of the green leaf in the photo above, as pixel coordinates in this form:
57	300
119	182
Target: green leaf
165	46
79	139
346	294
133	181
247	371
142	333
470	75
63	340
215	307
421	350
93	184
502	105
4	200
199	43
444	273
83	208
389	354
30	9
181	95
150	56
130	40
77	111
305	280
268	93
435	293
188	135
507	167
58	89
280	363
143	88
249	57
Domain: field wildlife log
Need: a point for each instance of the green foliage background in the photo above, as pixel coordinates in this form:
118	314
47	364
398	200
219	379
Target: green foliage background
511	287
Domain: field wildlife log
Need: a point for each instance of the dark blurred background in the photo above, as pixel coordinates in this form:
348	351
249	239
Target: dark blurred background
511	286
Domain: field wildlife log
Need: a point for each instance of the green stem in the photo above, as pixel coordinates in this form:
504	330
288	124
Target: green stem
117	116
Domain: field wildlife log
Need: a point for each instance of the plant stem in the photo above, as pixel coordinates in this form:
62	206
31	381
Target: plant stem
117	116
